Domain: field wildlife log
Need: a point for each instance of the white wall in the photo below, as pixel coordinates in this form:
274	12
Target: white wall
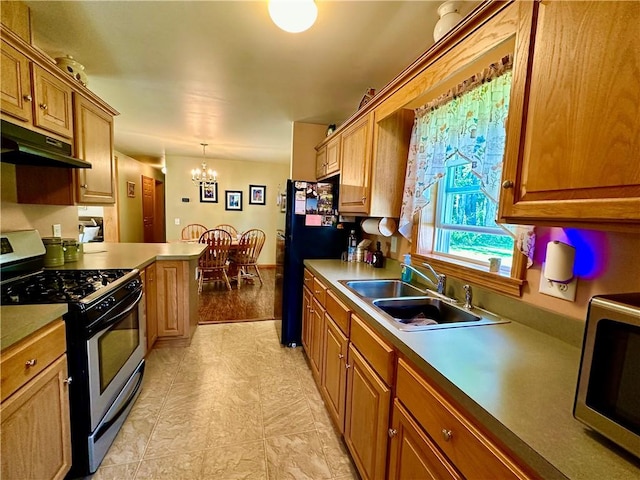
232	175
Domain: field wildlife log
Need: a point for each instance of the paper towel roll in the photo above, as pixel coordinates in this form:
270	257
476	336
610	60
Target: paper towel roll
559	262
379	226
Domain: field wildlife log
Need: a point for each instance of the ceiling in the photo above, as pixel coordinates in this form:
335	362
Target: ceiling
220	72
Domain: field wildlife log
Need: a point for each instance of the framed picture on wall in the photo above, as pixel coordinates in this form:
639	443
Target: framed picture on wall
257	194
233	200
131	189
209	193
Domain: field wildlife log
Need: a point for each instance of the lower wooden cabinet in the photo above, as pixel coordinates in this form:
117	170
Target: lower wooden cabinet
149	284
316	317
35	434
367	417
412	454
306	320
334	372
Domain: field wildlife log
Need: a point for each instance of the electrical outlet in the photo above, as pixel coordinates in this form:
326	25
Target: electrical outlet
177	221
565	291
394	244
57	230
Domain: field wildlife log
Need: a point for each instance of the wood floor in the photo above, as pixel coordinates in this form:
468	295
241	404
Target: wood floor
235	404
251	302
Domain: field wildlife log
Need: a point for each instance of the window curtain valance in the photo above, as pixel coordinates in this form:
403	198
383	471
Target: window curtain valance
466	124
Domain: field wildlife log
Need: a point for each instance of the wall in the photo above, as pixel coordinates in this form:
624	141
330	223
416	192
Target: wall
232	175
130	208
303	153
15	216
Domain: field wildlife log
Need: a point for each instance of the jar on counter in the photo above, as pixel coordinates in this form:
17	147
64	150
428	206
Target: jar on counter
54	252
72	249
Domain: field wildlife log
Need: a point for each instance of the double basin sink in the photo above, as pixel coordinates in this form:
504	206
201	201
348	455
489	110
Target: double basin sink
409	308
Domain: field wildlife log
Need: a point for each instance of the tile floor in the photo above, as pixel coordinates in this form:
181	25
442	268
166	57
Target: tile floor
233	405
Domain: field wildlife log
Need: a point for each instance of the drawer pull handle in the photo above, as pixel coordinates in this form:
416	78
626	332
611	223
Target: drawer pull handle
447	434
317	291
27	98
31	363
392	432
43	106
340	356
346	365
310	310
68	380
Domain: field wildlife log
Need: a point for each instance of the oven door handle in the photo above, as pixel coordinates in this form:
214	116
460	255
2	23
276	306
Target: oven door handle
104	427
102	325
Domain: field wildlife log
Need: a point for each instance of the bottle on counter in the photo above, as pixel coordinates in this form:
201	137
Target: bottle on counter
407	274
378	257
351	246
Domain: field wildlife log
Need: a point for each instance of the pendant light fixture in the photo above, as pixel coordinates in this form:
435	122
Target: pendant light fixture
205	177
293	16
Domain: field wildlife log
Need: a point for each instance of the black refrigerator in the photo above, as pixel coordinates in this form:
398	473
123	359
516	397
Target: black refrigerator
312	231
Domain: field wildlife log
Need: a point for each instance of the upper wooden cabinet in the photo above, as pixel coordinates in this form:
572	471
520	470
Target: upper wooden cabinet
94	143
572	135
374	158
15	84
328	158
51	103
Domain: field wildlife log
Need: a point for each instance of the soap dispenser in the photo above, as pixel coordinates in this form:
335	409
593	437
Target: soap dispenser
406	272
378	257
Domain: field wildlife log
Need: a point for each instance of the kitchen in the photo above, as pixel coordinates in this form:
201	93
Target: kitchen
612	272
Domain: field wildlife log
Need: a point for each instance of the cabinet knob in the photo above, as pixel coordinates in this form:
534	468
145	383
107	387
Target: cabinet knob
340	356
43	106
68	380
364	199
310	310
27	98
507	184
84	185
31	363
347	366
392	432
317	292
447	434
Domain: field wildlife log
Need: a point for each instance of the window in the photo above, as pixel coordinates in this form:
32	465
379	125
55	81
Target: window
465	220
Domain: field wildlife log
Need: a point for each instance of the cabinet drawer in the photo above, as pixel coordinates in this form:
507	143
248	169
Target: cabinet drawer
23	361
319	291
338	312
466	446
374	348
308	279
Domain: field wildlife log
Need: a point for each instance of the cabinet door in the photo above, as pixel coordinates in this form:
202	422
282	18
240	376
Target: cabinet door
94	143
321	162
306	320
412	454
333	157
151	302
317	337
35	434
334	373
15	84
572	154
356	167
53	109
367	417
171	302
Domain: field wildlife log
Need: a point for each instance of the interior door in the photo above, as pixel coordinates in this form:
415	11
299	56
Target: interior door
148	209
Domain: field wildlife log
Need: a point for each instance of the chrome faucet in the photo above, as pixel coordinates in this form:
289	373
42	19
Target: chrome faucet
468	297
441	279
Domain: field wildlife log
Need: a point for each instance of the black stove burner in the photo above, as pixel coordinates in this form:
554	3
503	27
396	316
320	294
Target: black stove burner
58	286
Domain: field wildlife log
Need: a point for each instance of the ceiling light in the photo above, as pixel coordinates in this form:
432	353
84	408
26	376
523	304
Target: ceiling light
293	16
205	177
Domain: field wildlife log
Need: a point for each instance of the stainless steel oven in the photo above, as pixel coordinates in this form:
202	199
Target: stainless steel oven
608	391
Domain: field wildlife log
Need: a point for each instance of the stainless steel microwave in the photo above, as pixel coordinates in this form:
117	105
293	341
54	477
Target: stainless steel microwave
608	392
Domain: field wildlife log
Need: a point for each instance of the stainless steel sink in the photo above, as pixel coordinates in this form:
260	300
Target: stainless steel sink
382	288
427	313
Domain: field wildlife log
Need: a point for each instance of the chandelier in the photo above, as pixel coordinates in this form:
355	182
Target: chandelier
205	177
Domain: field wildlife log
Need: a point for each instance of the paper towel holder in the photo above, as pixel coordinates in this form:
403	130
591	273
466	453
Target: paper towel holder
557	278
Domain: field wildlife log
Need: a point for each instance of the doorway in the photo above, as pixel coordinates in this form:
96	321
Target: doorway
152	210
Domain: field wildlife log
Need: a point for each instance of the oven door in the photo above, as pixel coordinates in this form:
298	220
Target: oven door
114	353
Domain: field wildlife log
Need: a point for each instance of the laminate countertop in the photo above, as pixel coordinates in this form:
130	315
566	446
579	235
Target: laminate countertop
19	321
518	382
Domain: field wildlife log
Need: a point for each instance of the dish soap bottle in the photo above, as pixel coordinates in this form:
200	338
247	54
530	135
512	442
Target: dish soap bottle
351	247
378	257
407	274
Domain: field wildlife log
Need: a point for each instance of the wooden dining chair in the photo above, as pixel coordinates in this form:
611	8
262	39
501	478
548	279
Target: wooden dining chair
192	232
212	265
228	228
247	253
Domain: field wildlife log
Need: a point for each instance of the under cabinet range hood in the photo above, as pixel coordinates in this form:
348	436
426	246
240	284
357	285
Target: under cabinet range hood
25	147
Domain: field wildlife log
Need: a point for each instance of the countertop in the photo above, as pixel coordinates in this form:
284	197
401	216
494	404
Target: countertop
20	321
519	383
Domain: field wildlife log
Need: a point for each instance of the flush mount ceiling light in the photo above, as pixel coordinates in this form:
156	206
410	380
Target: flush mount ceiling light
293	16
205	177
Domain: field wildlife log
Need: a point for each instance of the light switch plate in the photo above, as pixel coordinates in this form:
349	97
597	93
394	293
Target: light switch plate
57	230
565	291
394	244
177	221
